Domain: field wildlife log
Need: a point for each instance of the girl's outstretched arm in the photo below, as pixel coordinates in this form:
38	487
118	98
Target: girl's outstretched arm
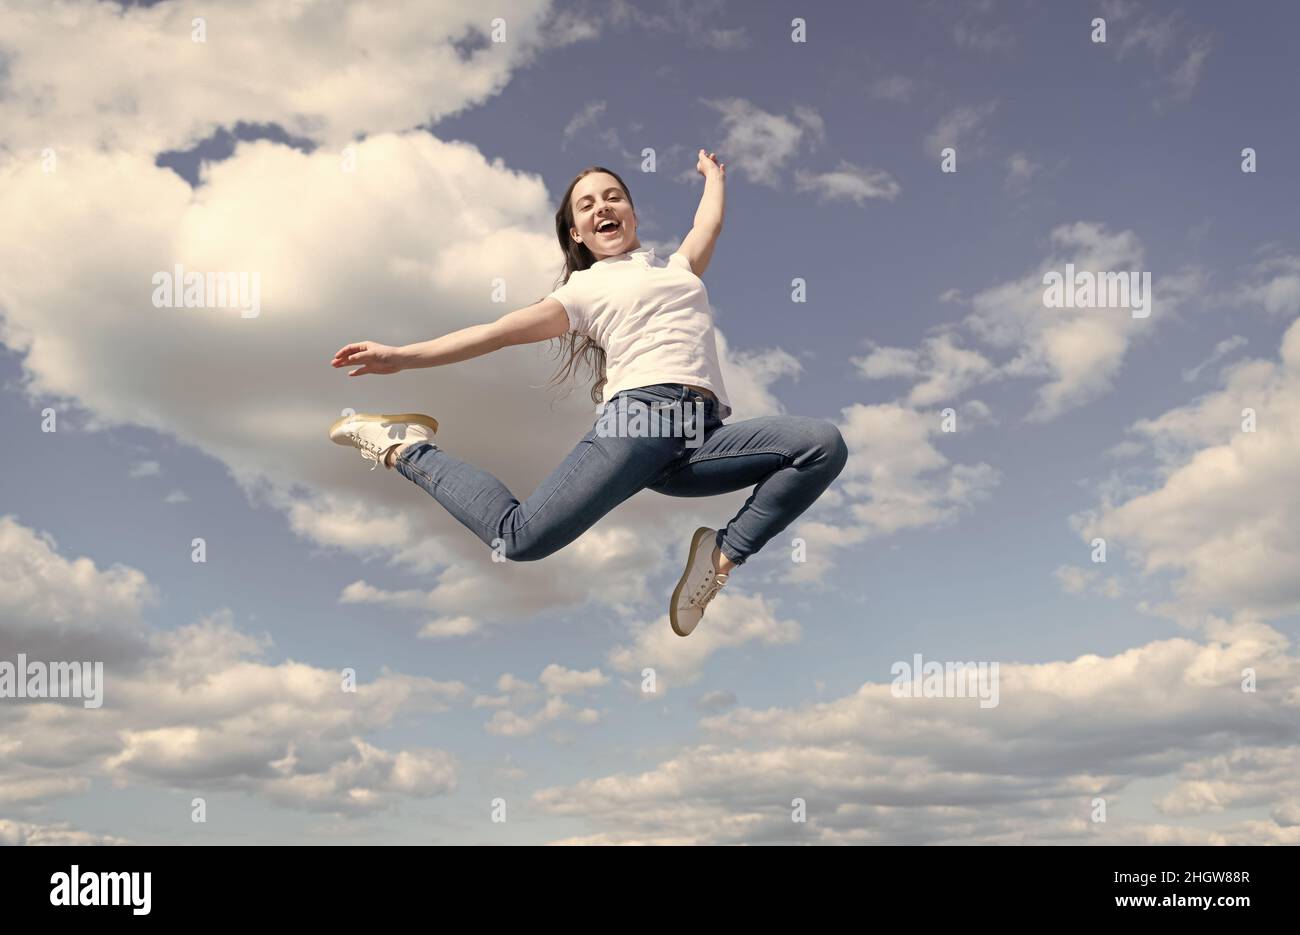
536	322
699	243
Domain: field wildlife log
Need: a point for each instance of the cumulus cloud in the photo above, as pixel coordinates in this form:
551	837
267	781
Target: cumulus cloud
547	700
761	144
1274	285
896	478
1074	353
875	768
733	619
943	369
320	77
1225	516
26	833
198	706
419	260
848	182
1077	580
50	604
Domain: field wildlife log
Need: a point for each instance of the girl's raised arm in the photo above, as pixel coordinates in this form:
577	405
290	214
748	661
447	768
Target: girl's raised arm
698	245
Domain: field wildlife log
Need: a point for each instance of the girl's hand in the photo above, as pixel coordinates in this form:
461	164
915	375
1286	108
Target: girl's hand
708	164
373	357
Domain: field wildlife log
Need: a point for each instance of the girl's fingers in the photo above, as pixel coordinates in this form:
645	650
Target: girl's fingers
348	349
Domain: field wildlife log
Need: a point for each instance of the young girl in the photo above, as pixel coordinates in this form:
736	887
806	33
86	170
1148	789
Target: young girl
644	327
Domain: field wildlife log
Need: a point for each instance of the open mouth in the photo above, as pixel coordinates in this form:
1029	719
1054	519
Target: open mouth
608	228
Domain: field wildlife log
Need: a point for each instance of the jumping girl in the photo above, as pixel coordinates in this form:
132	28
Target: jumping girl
644	327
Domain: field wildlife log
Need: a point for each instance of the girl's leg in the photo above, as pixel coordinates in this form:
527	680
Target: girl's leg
791	459
598	475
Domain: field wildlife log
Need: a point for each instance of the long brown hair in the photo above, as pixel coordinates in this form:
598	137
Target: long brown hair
580	349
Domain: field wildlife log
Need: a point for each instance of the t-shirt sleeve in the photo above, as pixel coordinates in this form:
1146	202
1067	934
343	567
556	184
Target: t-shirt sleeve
569	295
679	259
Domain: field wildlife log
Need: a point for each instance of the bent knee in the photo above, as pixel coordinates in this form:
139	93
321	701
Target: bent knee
830	441
529	550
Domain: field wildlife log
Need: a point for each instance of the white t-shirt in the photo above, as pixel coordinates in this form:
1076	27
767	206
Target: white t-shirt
653	319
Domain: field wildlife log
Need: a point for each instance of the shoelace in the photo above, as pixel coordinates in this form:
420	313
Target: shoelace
368	451
708	589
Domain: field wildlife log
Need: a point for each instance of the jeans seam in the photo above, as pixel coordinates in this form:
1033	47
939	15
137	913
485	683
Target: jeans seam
740	454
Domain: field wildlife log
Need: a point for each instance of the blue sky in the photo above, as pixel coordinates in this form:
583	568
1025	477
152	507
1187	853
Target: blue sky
1119	681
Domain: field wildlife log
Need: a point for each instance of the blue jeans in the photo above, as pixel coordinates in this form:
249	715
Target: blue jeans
788	461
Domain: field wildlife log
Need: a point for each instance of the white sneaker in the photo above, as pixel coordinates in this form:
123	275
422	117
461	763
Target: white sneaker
375	433
698	585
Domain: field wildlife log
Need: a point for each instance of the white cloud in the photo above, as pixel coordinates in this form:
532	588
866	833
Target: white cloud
144	469
1020	169
1226	514
874	768
1184	79
894	88
26	833
1221	349
1274	284
1077	351
584	118
1154	38
733	619
122	366
444	627
193	705
848	182
896	478
419	260
1077	580
323	77
962	128
944	369
759	145
556	682
691	22
561	681
50	605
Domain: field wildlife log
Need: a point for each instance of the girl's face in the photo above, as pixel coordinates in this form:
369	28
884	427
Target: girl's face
598	200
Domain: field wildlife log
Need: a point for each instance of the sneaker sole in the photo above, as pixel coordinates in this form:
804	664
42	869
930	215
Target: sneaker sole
415	418
696	541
